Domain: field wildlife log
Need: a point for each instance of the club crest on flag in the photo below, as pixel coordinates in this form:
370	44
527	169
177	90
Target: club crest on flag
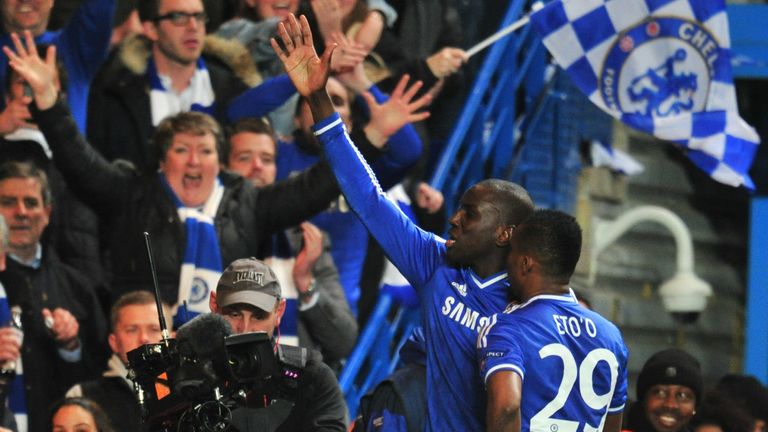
660	66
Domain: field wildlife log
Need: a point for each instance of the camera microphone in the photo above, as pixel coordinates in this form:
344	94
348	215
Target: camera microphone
205	335
201	345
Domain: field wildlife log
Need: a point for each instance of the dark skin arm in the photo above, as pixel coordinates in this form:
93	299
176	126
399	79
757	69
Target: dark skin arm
613	423
505	389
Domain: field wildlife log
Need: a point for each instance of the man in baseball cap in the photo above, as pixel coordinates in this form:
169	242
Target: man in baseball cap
669	389
248	296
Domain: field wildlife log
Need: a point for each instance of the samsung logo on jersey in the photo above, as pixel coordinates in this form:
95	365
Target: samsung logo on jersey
463	315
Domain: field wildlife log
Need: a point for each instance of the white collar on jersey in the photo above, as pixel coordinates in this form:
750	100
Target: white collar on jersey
492	280
570	297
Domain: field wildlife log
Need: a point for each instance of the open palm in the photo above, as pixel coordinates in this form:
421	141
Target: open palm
307	71
41	75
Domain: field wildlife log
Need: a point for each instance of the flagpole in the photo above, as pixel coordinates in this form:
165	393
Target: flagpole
490	40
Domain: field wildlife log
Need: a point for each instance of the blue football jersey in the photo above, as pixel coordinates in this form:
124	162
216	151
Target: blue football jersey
573	362
456	303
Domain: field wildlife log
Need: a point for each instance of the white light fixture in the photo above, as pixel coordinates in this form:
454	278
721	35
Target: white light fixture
685	294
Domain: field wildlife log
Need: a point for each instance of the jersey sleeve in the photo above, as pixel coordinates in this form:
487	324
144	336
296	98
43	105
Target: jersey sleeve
416	253
497	349
261	100
619	399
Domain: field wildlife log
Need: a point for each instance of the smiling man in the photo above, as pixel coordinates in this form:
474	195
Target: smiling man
669	388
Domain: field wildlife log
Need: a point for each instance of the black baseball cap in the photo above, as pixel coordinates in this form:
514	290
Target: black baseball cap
248	281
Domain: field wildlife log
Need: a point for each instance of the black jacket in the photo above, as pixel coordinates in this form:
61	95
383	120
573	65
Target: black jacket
133	203
115	395
46	375
317	404
119	112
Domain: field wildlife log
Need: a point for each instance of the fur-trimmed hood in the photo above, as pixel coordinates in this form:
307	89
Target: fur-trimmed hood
135	51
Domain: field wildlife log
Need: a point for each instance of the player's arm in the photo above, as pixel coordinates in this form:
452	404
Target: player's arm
504	393
613	422
412	250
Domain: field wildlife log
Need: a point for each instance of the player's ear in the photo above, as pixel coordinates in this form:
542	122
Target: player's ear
526	264
212	302
505	235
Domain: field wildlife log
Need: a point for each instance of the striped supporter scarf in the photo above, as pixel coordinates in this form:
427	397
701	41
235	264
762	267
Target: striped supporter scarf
16	396
281	262
202	266
164	101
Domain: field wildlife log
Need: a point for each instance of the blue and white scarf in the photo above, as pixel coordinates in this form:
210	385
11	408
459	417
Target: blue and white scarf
202	265
17	400
281	261
165	101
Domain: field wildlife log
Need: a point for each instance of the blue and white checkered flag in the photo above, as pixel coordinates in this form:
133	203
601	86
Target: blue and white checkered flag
660	66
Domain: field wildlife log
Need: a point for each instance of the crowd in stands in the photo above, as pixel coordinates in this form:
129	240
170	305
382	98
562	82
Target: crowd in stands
189	120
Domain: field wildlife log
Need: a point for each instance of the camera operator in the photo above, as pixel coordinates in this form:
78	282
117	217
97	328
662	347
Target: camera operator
248	296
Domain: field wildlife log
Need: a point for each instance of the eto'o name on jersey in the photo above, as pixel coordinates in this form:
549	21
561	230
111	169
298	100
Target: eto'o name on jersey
574	326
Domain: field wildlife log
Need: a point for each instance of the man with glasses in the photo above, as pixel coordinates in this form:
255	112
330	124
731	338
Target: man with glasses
81	45
164	73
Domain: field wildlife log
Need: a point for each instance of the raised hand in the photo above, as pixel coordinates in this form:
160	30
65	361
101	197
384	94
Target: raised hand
446	62
328	14
348	54
16	115
307	71
429	198
398	111
40	75
308	256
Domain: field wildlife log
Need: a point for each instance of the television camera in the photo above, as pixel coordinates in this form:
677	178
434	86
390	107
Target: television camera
193	382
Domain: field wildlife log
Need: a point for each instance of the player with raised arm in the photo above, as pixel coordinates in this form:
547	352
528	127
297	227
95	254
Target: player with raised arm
548	363
461	280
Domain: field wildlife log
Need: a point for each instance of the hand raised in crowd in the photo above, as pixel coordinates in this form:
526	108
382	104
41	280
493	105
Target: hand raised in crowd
348	54
446	62
10	344
16	115
370	30
307	71
308	256
429	198
40	75
328	16
355	78
63	326
399	110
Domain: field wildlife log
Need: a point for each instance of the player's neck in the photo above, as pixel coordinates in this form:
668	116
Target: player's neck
488	265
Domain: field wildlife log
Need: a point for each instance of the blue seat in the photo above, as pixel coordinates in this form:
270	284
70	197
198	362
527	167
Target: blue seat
377	353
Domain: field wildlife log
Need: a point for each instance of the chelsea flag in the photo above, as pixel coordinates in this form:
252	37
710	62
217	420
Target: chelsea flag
660	66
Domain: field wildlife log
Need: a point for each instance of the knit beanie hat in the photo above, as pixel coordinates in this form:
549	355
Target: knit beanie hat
672	366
